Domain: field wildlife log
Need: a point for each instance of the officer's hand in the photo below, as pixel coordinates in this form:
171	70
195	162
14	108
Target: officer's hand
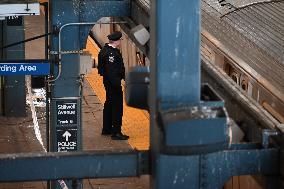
123	82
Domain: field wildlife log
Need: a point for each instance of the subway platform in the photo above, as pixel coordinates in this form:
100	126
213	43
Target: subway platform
28	134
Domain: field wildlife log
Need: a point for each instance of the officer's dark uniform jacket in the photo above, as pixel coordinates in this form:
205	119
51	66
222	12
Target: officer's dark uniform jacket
111	67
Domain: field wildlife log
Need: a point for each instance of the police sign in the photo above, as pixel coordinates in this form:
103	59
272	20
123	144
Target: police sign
66	139
24	68
67	124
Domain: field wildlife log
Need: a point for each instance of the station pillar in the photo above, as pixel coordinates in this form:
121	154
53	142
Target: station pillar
174	82
71	22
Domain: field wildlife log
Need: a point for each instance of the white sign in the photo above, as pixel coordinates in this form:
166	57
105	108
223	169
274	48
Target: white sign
19	9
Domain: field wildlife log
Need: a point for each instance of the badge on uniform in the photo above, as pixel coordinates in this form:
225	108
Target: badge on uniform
111	59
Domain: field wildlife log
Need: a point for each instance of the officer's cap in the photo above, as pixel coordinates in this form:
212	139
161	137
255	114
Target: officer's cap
115	36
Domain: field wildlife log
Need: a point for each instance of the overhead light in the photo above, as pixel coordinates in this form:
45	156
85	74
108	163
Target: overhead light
141	34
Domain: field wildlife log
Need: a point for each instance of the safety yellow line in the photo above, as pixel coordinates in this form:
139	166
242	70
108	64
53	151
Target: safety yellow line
135	122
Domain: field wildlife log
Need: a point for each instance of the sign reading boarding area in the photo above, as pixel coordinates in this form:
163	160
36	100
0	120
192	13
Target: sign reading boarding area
25	68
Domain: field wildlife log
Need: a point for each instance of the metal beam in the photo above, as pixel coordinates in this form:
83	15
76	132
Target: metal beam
211	171
217	168
67	165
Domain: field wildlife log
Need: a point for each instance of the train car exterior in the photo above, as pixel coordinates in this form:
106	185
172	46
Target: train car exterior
246	44
243	79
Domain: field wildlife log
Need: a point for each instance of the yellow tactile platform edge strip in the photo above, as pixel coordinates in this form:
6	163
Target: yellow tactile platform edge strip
135	121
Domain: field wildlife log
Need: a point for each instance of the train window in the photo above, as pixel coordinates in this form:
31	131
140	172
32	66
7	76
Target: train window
227	68
231	71
140	59
235	77
244	85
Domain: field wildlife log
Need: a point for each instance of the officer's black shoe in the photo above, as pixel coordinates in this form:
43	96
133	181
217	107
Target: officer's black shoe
125	136
106	133
119	136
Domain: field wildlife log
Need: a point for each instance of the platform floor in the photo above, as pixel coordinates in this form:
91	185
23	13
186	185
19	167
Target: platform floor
18	135
135	121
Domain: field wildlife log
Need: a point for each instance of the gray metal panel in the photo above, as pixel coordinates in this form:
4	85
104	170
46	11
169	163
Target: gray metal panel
14	89
14	96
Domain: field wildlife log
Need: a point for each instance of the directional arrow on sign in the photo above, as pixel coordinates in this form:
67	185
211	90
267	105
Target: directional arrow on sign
66	135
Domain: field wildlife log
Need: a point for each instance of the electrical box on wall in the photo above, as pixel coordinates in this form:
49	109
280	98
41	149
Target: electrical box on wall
141	34
86	63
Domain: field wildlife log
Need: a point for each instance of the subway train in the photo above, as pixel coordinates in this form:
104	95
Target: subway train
245	42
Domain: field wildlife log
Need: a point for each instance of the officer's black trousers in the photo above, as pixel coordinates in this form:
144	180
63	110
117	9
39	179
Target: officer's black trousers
113	108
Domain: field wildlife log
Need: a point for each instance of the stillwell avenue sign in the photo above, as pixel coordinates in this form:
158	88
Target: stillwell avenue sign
29	68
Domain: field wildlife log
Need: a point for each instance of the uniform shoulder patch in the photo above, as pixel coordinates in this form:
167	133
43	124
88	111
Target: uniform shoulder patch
111	58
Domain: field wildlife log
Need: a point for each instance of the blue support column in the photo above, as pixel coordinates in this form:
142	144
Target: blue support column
177	51
175	81
66	89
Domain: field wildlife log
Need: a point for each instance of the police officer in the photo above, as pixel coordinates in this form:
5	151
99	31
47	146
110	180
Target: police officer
111	67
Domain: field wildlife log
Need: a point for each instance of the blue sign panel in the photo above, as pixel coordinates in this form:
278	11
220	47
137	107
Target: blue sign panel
24	68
